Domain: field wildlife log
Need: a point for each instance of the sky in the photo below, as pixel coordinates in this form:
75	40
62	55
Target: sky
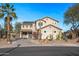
35	11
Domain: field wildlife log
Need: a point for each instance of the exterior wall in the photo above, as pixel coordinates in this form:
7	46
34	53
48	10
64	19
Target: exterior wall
49	31
28	27
47	22
24	27
33	28
45	34
50	21
55	32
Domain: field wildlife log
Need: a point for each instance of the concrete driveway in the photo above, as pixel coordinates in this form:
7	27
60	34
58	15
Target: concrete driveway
24	43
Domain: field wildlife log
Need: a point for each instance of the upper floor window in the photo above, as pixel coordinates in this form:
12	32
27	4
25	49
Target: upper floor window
54	31
54	23
40	24
44	31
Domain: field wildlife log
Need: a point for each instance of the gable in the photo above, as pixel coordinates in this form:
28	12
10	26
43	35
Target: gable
45	18
51	26
49	18
46	21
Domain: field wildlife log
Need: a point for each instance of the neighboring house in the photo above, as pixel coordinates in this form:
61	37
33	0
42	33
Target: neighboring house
27	28
68	34
45	27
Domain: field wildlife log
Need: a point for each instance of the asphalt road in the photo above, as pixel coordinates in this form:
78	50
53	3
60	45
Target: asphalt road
40	51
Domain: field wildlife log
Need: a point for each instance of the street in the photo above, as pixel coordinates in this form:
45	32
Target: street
40	51
25	47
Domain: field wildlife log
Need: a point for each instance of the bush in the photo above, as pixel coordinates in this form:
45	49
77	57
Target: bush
49	37
59	36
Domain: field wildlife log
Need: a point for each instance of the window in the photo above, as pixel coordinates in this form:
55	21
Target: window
54	31
44	31
40	24
55	22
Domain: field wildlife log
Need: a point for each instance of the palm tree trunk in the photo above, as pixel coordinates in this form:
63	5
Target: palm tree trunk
8	35
8	28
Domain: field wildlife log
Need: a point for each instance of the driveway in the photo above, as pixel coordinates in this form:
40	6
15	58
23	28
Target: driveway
21	42
24	43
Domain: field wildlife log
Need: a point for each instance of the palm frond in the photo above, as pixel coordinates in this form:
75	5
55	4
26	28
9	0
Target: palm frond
1	15
7	5
0	10
13	14
12	6
13	9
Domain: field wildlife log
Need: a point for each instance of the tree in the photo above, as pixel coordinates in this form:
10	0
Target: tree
71	17
7	12
18	27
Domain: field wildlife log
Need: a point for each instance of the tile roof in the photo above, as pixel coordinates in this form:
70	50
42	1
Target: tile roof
47	17
27	22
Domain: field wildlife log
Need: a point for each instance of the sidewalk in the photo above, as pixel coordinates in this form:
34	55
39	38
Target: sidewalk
57	43
30	43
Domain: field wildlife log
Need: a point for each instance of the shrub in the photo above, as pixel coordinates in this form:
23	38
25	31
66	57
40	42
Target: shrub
59	36
49	37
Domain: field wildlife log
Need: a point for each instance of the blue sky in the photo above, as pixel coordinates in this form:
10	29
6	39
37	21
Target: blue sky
34	11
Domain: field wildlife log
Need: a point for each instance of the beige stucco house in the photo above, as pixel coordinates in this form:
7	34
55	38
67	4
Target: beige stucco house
27	28
46	27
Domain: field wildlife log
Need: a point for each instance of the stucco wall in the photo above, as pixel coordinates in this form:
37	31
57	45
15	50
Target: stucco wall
50	21
49	31
46	21
45	34
27	27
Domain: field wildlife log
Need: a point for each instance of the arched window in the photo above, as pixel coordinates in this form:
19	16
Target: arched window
40	24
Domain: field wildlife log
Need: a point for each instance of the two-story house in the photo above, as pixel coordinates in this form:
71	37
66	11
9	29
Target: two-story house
45	27
48	27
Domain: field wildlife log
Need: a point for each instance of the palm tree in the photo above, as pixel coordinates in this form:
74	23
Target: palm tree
7	12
